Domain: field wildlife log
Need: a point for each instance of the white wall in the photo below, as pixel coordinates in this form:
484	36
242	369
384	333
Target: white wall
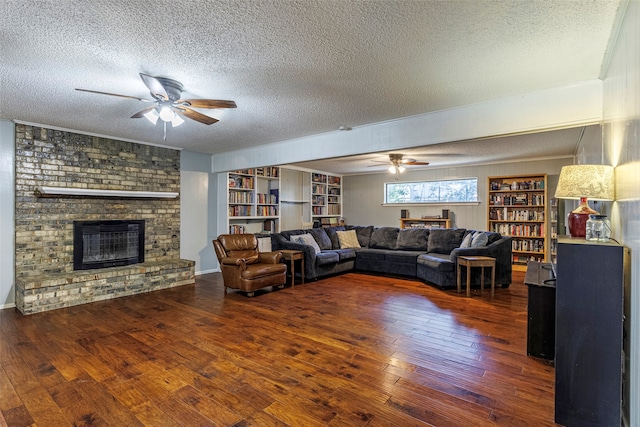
621	148
7	214
364	193
197	207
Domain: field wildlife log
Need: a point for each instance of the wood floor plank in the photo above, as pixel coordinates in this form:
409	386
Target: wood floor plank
348	350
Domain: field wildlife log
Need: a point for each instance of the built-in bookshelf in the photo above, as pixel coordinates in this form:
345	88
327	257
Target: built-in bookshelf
517	208
266	200
254	200
326	196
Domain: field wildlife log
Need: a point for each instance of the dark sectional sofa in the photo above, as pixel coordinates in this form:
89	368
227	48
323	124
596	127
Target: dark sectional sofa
428	254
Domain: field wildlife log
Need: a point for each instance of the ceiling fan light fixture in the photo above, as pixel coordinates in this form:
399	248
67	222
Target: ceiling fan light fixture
401	169
392	169
177	120
167	114
152	116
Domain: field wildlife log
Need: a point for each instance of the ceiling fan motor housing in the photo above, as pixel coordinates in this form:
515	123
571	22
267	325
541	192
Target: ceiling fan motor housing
172	87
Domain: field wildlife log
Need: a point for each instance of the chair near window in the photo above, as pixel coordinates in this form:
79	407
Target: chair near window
244	267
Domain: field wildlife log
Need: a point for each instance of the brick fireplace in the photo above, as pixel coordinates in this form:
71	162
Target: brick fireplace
45	274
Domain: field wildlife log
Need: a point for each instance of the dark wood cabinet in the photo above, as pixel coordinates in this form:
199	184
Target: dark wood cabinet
589	316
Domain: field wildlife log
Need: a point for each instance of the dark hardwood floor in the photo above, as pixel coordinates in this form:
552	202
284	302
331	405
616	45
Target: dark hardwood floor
350	350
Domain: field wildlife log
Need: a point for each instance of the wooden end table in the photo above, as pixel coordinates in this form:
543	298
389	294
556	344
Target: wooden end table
476	261
292	256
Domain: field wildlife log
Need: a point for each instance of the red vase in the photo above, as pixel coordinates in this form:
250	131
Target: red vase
577	218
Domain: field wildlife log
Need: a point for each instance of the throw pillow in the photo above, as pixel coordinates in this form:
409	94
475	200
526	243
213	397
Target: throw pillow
348	239
324	242
306	239
479	239
466	242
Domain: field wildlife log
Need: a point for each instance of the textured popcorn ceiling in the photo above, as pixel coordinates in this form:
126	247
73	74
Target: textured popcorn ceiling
295	68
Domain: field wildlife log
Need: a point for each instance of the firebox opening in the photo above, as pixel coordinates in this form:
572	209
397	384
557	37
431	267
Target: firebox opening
103	244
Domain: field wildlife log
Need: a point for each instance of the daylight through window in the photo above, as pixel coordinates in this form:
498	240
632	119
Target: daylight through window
446	191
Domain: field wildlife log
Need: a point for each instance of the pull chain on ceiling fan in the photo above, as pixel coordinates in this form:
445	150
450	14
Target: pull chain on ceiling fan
167	105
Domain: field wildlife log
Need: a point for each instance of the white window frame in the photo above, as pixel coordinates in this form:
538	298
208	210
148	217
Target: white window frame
439	202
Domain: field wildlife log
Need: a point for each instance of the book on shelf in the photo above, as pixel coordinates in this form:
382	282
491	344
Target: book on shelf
236	229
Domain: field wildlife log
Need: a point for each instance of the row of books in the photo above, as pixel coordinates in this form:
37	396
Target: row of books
244	171
266	210
241	182
334	209
519	230
318	210
318	177
516	200
317	200
240	197
516	215
527	245
267	199
318	189
334	180
272	172
518	185
240	210
236	229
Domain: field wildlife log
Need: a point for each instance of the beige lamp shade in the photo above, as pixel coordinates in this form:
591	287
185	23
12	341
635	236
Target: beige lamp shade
592	181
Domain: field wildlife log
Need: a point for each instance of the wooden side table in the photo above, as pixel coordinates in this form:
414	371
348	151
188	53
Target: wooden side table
292	256
476	261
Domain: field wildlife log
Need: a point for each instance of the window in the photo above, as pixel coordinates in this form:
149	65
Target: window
446	191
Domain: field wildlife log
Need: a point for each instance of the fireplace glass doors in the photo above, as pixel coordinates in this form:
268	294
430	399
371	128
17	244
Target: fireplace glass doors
103	244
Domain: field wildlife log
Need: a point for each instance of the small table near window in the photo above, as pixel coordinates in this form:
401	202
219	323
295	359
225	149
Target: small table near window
476	261
292	256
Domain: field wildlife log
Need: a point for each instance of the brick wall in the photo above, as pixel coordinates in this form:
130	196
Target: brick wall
44	225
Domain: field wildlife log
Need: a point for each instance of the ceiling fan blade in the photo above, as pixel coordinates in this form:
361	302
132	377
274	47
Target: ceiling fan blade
112	94
198	117
414	163
208	103
141	113
155	86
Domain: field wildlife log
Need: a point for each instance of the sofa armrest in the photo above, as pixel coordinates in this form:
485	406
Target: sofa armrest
500	250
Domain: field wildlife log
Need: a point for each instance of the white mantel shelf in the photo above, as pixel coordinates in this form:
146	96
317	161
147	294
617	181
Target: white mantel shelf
67	191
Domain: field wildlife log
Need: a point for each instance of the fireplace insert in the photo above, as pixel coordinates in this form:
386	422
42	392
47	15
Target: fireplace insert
103	244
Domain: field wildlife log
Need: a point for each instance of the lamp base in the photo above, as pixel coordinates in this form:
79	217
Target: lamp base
577	218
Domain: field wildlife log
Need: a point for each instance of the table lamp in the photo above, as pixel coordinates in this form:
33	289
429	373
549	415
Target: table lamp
582	182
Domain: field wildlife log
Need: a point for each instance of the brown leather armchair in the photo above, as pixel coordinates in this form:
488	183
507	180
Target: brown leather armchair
244	267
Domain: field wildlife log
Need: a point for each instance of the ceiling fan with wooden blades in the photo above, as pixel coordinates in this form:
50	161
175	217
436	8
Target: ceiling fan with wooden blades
397	163
167	105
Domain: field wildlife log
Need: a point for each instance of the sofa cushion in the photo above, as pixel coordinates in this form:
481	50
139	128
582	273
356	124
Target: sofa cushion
437	262
306	239
384	238
324	242
413	239
444	240
344	254
403	257
372	254
331	232
348	239
363	233
329	257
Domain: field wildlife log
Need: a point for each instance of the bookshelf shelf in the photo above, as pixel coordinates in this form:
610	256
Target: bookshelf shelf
517	208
